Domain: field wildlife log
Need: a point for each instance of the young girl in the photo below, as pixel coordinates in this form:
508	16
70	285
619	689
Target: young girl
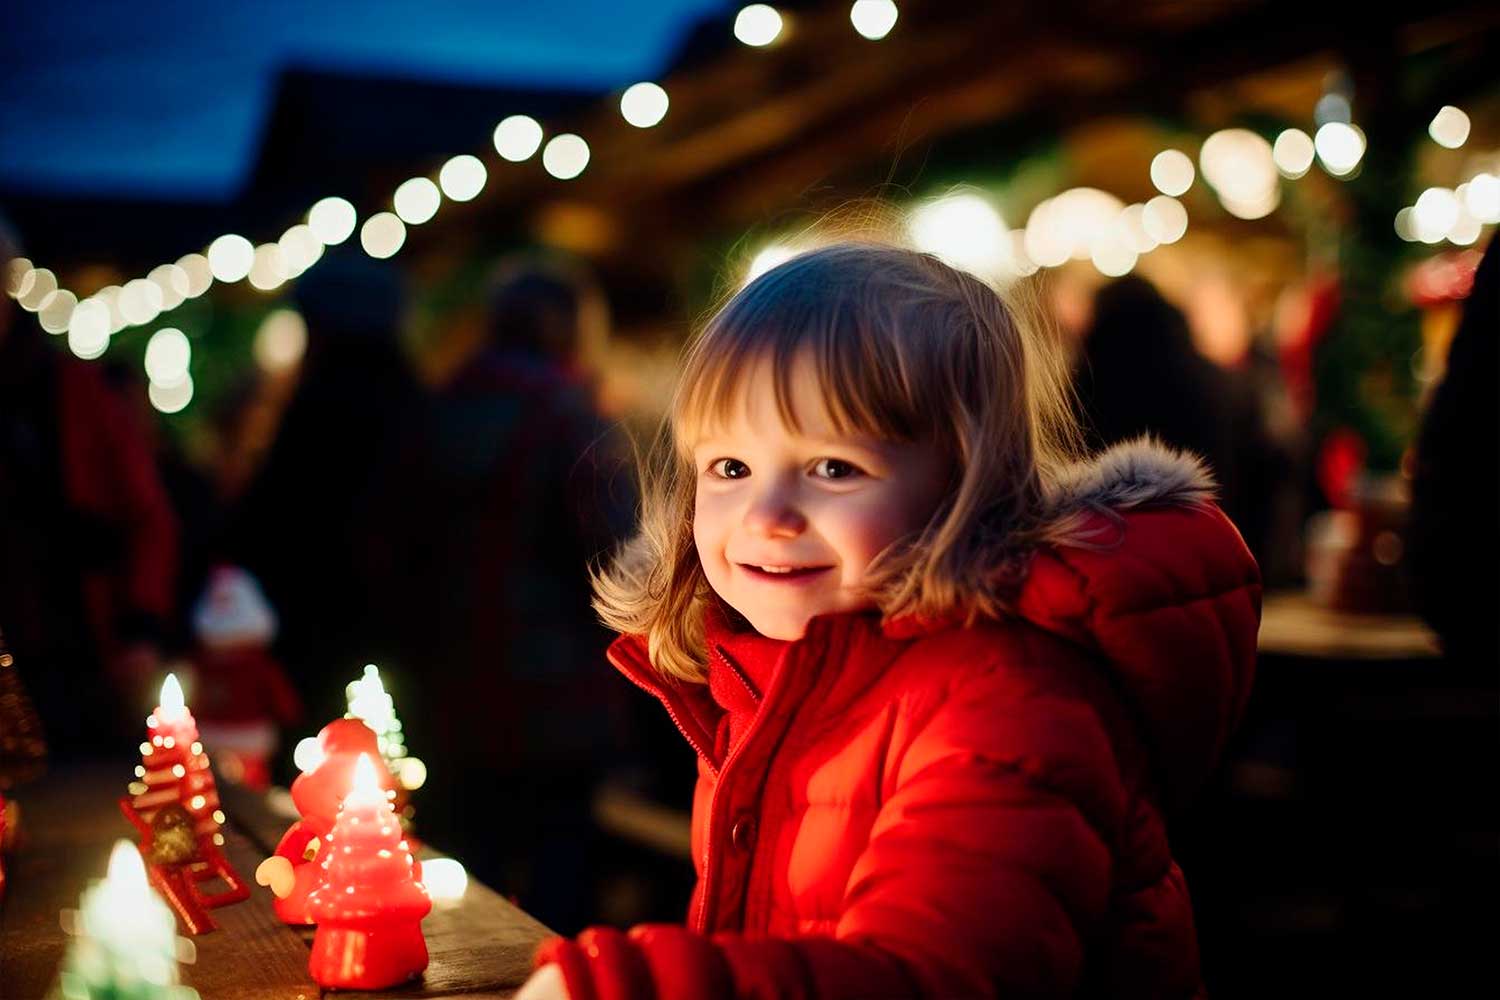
944	679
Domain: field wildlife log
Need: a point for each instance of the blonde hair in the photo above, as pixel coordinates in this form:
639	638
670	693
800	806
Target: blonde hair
905	348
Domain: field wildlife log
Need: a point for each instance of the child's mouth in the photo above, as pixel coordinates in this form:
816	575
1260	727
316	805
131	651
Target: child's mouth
784	574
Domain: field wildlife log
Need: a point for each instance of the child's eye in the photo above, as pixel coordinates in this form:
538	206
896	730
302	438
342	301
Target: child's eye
836	468
729	468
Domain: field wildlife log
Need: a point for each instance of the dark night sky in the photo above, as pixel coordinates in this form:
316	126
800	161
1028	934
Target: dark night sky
166	99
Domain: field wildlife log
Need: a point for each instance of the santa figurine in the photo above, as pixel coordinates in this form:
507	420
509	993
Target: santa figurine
241	695
296	869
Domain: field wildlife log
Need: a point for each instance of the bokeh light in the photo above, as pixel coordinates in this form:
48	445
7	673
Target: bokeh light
199	274
445	879
34	287
171	399
565	156
332	220
280	341
417	200
757	24
1449	127
140	301
1482	197
463	177
268	269
230	257
300	249
174	284
382	235
873	19
964	230
89	329
1172	172
518	138
15	274
168	355
644	104
1241	167
1340	147
56	312
1165	219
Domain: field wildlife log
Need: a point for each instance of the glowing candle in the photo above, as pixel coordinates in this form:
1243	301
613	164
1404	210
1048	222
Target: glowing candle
176	770
369	907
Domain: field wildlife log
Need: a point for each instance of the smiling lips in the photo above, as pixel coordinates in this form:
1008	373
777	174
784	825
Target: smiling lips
783	574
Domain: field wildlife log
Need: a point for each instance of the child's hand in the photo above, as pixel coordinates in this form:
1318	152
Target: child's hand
545	983
276	872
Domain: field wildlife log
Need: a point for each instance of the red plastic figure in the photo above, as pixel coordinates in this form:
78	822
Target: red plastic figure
296	867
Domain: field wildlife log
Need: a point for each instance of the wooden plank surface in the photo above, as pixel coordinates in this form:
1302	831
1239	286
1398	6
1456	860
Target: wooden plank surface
480	946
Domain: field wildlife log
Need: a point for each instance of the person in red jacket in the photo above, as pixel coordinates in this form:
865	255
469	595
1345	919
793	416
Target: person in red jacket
947	678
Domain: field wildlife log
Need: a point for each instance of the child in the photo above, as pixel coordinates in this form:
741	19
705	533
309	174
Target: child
945	680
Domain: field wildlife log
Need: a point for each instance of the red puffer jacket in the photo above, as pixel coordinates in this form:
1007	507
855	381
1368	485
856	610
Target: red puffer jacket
920	809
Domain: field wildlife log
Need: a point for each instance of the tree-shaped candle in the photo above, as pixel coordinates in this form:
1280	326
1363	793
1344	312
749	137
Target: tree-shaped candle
369	907
124	943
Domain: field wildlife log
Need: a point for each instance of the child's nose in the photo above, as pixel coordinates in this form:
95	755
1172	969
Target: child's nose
775	516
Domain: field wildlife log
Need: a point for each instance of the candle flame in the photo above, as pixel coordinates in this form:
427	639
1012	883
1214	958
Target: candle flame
366	787
125	866
172	704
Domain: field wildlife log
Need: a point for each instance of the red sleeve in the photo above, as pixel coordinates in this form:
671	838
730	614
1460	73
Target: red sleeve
985	872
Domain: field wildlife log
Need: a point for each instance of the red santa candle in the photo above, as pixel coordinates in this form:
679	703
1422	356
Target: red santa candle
174	769
370	905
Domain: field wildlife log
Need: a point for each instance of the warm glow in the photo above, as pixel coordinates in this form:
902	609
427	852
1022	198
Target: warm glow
1465	230
417	200
1241	167
168	354
382	235
281	341
35	286
57	311
1482	197
1437	211
18	272
1340	146
565	156
1449	127
757	25
873	19
1293	153
1257	208
769	257
1165	219
171	399
1172	172
172	704
1406	224
1067	226
365	790
89	329
140	301
463	177
230	257
173	282
309	755
644	105
1111	256
1131	226
300	249
445	879
127	872
965	231
332	220
200	275
268	269
518	137
413	773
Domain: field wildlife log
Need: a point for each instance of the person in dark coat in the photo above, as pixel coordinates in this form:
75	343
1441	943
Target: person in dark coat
1454	537
516	486
1140	373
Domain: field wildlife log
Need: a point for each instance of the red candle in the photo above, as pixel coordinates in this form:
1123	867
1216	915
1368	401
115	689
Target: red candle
369	907
174	768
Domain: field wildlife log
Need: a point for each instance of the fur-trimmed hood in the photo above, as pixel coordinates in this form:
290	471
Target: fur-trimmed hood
1165	592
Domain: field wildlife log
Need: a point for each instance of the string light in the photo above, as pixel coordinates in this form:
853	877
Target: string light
518	137
873	19
332	220
417	200
1449	127
644	104
566	156
382	235
463	177
757	25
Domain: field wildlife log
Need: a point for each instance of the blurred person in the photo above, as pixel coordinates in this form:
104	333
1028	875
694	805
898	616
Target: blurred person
1454	534
88	540
308	513
1139	372
514	487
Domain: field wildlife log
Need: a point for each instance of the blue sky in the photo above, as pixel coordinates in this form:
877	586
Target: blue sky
148	97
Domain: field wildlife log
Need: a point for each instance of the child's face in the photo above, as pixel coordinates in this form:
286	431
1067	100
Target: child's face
821	503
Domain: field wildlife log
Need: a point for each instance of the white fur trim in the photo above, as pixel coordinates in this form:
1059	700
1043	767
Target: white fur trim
1133	474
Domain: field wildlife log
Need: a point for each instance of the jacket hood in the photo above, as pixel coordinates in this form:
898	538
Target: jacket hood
1164	591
